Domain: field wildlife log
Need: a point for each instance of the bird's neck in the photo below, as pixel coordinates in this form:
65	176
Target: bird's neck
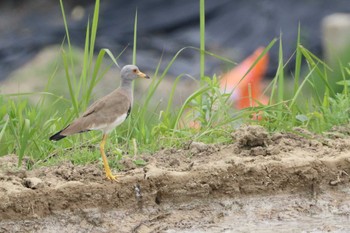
126	85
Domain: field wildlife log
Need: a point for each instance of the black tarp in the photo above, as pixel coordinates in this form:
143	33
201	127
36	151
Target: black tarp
233	29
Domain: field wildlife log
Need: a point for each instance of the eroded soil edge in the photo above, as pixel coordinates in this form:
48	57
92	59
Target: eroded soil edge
255	163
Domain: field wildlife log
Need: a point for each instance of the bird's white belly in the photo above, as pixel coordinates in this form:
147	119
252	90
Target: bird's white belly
106	128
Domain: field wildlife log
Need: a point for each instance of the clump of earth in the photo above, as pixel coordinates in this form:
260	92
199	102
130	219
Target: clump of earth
260	182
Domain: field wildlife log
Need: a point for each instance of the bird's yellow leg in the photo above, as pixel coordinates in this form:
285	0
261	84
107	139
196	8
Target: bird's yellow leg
109	174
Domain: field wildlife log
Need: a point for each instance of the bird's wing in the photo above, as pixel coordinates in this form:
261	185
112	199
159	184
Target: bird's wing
102	112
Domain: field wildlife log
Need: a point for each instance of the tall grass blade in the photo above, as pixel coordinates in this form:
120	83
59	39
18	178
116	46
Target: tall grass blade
342	70
4	129
197	93
135	40
114	59
280	97
298	59
166	114
268	47
298	91
202	37
314	61
86	64
68	37
70	87
94	30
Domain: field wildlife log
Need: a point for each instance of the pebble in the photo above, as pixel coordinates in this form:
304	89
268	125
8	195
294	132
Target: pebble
33	183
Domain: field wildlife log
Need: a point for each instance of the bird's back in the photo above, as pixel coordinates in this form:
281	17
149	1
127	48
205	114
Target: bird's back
102	114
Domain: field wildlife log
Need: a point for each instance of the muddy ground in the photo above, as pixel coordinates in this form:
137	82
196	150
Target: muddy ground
282	182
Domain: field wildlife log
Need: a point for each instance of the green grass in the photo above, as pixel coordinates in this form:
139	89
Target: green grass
313	102
202	37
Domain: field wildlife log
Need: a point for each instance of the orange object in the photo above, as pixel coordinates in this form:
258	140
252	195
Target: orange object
247	91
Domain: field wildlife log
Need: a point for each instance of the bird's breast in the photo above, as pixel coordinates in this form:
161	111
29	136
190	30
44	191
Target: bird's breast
117	122
108	127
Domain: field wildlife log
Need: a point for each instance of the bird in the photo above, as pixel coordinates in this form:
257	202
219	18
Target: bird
106	113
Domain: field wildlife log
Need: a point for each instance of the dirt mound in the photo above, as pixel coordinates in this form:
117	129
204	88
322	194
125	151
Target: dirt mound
176	187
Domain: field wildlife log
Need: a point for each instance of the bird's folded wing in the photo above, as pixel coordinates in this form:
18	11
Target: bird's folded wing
103	112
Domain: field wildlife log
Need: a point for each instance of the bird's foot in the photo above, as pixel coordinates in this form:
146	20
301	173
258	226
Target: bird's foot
110	176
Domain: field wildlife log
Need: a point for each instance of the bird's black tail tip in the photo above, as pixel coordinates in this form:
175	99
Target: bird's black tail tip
57	136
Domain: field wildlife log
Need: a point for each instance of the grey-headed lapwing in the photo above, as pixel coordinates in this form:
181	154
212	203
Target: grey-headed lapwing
106	113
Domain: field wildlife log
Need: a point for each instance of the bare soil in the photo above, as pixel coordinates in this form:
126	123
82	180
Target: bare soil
261	182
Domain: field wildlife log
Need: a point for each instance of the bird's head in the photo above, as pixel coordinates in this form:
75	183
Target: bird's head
131	72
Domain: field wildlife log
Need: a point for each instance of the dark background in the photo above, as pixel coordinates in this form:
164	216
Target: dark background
234	28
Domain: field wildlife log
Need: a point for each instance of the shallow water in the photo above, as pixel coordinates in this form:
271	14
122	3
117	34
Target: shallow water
327	212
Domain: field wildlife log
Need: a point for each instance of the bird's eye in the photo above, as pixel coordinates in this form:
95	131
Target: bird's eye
134	70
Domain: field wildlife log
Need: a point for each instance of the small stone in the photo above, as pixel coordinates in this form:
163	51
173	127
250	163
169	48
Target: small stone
95	218
33	183
250	136
272	150
197	147
143	229
174	163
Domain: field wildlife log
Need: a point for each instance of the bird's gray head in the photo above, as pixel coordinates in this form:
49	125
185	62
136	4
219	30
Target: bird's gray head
131	72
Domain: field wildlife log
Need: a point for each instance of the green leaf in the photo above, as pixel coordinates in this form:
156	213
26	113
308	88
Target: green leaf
139	162
302	118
